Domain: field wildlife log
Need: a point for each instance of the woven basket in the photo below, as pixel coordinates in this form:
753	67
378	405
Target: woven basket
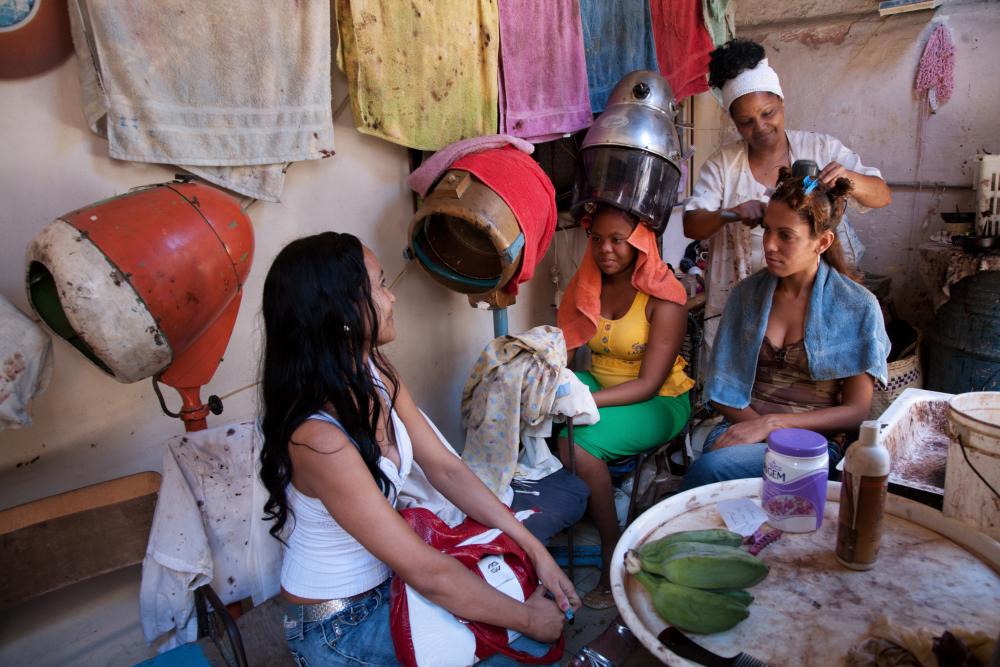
904	373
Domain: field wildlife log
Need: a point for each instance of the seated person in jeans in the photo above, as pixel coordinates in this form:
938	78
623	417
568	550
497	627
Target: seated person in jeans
801	344
341	436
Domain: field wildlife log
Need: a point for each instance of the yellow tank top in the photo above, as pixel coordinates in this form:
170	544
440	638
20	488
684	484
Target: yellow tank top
619	345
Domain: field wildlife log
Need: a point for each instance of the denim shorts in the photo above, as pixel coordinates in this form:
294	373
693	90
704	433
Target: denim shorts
360	635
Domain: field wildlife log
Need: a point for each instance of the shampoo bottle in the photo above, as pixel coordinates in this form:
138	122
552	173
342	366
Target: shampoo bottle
862	499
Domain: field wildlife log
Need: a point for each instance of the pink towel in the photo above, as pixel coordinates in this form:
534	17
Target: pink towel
682	45
426	175
543	70
528	192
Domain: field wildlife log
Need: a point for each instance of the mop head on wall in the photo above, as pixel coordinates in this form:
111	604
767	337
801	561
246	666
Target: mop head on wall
936	70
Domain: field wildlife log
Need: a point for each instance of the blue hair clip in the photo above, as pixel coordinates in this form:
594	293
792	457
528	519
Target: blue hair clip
809	184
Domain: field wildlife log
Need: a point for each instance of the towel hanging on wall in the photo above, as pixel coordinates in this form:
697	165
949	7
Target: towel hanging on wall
720	19
618	39
232	90
421	73
543	82
682	45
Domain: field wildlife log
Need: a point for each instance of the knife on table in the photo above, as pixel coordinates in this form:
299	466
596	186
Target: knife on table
685	647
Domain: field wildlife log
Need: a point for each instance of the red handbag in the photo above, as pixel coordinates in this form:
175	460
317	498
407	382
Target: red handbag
426	634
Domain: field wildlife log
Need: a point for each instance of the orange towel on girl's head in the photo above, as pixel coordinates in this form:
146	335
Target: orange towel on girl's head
580	309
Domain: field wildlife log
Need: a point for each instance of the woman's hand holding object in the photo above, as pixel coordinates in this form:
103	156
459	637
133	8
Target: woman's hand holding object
750	213
546	620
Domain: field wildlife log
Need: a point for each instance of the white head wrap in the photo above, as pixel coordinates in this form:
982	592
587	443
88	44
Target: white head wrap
760	79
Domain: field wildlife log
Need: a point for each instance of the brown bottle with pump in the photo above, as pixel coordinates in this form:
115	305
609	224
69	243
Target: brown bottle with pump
862	499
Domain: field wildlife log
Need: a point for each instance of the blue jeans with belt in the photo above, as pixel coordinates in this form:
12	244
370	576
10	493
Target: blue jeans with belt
359	636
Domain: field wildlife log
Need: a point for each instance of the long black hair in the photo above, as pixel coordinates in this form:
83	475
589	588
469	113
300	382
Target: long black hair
319	324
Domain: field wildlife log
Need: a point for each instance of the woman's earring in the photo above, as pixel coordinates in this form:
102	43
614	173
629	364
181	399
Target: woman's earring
347	329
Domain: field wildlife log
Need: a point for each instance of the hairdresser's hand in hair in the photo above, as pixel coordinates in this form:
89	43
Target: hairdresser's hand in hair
750	213
869	191
831	172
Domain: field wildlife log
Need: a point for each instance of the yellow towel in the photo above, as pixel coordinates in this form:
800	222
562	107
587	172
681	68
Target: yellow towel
423	74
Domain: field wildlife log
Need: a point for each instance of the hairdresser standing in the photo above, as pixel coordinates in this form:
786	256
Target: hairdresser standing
735	183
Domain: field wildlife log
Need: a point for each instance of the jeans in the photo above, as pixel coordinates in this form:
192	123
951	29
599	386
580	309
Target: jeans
359	636
560	498
736	462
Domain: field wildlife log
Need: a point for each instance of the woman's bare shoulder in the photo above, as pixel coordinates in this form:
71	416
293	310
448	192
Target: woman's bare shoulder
319	436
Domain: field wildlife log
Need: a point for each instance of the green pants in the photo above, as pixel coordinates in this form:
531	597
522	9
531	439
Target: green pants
625	430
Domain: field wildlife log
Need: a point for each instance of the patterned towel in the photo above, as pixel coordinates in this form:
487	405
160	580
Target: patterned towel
512	386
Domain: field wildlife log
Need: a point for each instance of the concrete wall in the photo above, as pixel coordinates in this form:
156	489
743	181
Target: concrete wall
87	427
849	73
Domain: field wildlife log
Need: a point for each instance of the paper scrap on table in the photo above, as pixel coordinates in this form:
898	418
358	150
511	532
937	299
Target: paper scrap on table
742	515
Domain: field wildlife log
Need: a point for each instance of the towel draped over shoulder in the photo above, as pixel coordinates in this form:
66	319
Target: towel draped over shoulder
844	334
581	304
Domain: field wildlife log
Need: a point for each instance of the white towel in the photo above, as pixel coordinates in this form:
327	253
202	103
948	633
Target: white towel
25	364
573	400
235	89
207	528
758	79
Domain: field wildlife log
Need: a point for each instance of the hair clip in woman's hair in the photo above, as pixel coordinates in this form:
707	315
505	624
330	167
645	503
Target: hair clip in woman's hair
809	184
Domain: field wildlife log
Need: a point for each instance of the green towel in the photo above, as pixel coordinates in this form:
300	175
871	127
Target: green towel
720	19
423	74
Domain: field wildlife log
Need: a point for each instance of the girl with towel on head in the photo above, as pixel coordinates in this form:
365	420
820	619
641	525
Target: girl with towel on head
728	200
817	336
625	304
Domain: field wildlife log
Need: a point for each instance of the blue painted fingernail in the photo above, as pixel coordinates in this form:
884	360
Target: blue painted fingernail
569	615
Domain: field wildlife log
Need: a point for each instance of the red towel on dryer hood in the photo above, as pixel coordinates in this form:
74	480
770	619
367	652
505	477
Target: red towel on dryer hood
528	192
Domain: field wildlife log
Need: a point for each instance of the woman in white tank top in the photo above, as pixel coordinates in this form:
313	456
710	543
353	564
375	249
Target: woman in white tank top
341	432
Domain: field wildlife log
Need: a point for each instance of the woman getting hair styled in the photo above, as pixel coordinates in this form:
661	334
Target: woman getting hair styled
817	338
728	200
341	433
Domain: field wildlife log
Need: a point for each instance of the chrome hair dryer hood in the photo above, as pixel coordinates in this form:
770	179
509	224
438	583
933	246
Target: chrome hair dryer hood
630	157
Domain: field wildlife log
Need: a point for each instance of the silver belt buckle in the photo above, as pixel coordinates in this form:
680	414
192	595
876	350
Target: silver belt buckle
324	610
318	612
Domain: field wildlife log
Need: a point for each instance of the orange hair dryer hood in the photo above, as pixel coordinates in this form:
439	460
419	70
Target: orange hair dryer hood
147	284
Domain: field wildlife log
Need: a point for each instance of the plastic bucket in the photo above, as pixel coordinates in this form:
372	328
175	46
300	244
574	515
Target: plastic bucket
974	419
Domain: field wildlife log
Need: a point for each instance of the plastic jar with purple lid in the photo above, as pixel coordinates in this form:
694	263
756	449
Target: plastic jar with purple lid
796	467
